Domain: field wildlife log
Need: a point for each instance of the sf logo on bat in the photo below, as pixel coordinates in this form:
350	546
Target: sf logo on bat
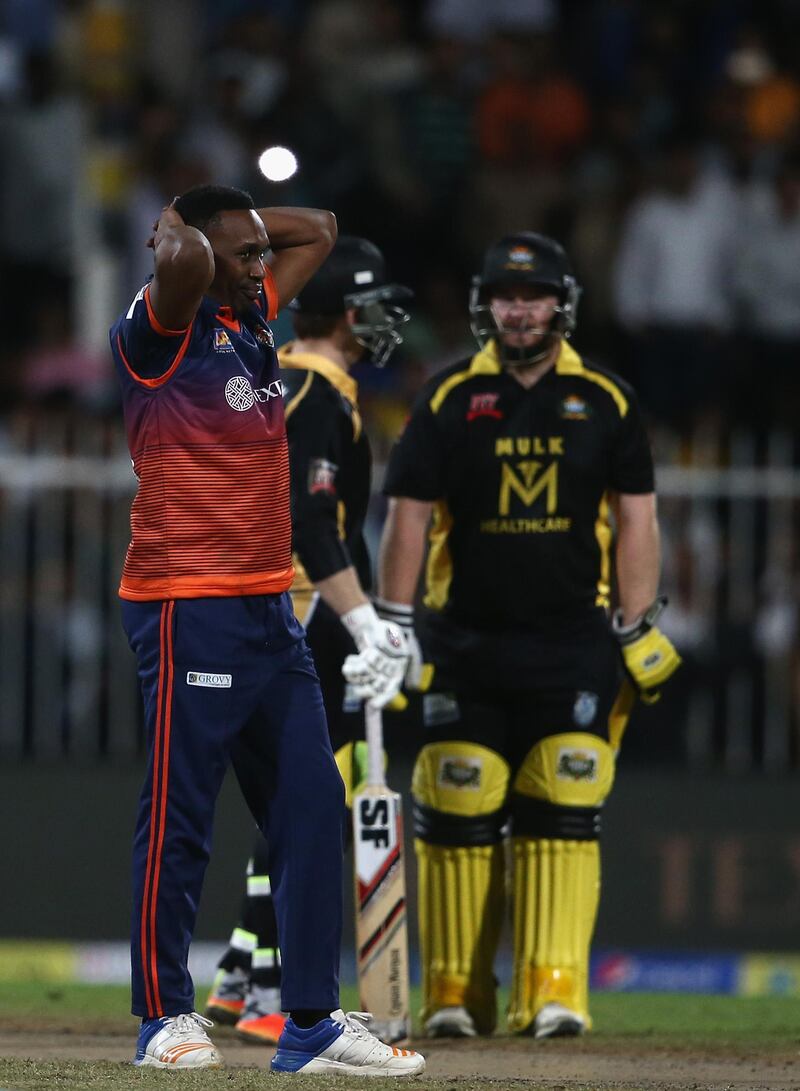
375	822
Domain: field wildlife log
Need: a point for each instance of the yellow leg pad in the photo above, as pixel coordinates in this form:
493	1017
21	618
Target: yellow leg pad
556	888
461	902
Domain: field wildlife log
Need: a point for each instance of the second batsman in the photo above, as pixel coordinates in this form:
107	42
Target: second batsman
518	460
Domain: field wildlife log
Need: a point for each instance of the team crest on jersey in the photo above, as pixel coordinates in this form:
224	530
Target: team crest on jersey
577	764
520	257
263	334
463	773
574	407
222	343
322	476
484	405
585	708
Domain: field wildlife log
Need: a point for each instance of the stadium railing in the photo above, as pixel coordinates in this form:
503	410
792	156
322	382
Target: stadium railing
67	678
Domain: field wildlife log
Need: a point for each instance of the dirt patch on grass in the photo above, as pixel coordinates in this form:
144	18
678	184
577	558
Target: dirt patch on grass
598	1064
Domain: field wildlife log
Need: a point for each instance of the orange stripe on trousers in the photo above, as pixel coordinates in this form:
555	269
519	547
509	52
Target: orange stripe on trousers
148	990
162	822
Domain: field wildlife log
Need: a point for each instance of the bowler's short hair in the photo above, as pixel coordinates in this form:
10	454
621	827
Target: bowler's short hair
200	206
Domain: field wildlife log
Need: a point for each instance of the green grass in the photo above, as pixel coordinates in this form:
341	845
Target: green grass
67	1005
668	1017
715	1022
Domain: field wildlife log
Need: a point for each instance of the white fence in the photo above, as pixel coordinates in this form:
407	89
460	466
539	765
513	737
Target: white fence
67	678
731	569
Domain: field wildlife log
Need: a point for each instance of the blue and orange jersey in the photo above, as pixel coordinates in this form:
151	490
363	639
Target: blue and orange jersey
204	419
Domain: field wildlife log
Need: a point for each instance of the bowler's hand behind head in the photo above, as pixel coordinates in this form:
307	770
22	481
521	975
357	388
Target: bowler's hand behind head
169	219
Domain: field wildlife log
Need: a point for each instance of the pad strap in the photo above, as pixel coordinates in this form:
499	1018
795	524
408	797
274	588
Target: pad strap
540	818
438	828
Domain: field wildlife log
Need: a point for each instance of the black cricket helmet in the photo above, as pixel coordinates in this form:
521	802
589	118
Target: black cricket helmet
524	258
354	276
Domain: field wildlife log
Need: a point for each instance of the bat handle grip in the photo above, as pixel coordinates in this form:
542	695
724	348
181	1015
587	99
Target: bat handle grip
374	725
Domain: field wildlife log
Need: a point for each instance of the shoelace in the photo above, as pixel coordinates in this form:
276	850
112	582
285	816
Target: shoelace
354	1021
187	1024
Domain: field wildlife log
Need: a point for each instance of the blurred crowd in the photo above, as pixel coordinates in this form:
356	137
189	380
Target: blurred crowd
660	141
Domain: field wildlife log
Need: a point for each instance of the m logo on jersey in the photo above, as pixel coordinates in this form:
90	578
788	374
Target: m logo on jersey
484	405
322	476
526	483
222	343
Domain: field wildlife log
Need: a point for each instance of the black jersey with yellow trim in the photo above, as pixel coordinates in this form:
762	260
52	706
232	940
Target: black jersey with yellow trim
330	463
520	480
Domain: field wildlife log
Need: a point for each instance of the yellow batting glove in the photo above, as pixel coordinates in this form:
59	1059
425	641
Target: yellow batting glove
400	702
425	677
649	657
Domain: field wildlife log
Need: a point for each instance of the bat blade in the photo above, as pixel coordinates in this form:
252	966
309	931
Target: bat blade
380	905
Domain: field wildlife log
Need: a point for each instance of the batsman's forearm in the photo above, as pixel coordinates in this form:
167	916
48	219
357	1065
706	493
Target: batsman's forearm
402	549
638	562
290	227
342	591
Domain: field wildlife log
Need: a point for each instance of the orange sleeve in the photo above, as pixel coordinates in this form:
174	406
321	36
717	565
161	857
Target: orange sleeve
270	295
156	325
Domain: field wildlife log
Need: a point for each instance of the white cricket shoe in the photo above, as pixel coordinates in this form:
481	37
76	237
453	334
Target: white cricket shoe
177	1041
341	1043
455	1022
556	1021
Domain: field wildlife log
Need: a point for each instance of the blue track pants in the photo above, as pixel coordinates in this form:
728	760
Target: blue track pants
232	680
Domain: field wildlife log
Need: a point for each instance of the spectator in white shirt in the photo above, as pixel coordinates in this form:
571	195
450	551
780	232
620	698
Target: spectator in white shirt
767	288
672	283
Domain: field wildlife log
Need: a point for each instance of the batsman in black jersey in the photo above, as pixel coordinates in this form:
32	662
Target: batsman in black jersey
515	464
348	309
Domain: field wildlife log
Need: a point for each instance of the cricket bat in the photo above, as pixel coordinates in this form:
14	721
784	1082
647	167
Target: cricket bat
380	895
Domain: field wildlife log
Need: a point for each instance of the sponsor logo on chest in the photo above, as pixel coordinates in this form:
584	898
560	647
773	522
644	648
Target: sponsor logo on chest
484	405
241	395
